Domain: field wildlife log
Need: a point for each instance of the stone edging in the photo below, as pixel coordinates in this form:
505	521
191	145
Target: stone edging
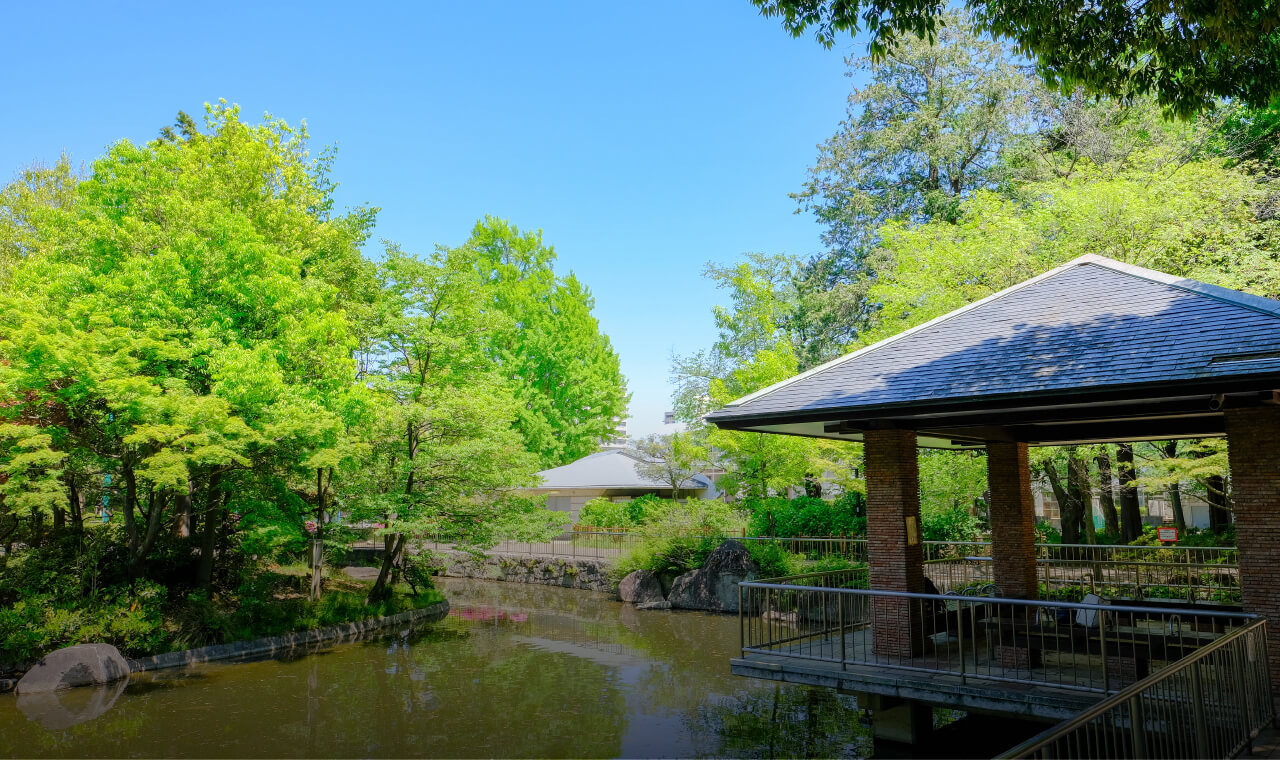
430	614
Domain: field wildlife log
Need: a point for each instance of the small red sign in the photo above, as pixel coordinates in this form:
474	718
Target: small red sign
1167	534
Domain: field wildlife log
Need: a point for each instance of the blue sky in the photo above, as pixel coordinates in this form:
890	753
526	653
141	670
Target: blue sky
644	139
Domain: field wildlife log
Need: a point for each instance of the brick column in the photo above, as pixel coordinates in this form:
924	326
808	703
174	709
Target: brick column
893	496
1013	520
1253	447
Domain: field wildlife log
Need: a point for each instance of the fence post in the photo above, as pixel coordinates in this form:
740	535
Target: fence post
960	634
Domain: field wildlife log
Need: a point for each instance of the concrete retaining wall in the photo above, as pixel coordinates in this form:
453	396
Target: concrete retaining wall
567	572
290	641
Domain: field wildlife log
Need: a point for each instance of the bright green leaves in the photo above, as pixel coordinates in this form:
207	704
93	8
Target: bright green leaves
1199	220
563	369
31	469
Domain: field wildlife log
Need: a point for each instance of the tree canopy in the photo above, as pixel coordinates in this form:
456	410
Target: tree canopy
191	337
1187	55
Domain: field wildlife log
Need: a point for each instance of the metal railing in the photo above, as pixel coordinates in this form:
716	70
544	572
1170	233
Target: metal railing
1088	647
574	544
856	548
1070	579
1213	703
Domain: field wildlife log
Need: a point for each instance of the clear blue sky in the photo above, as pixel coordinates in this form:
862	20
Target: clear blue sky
644	139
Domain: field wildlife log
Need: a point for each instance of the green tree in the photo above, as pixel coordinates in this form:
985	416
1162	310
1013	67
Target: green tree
671	459
570	386
446	454
180	321
1199	219
1187	55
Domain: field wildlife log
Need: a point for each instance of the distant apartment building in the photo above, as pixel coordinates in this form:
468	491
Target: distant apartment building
619	440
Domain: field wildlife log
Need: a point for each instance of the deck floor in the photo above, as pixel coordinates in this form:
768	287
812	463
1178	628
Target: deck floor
1063	685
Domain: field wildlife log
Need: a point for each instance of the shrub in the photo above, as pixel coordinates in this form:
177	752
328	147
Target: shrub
679	538
950	524
1047	534
600	512
775	561
809	516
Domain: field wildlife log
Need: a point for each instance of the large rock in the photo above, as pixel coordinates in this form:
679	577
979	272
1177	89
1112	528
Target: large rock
714	587
80	665
641	587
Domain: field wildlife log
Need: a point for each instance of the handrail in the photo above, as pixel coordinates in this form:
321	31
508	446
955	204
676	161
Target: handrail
1136	690
769	583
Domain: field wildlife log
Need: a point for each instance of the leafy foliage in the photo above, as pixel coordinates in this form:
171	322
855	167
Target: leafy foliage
1187	54
807	516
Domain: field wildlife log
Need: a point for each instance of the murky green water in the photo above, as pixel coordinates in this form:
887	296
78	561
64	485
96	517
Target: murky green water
515	671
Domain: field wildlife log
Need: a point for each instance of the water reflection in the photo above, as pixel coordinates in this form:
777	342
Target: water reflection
515	671
56	710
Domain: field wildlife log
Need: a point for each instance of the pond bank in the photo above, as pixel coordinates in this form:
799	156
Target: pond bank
291	642
582	573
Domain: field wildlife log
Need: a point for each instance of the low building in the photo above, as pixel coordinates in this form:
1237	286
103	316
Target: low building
612	474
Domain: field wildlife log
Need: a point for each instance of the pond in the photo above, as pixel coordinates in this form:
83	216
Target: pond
514	671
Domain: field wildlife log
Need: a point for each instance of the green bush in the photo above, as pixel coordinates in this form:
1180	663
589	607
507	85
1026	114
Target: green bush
774	560
132	621
950	524
679	537
808	516
666	555
1047	534
600	512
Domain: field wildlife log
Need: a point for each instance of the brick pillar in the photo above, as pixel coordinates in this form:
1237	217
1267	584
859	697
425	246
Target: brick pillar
893	496
1013	521
1253	447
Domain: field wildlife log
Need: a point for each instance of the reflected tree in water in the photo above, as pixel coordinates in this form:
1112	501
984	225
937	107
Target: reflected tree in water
785	723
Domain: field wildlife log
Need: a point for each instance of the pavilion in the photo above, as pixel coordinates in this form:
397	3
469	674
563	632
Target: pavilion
1093	351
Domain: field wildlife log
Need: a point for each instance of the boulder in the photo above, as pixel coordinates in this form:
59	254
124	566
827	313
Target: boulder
714	587
640	587
662	605
80	665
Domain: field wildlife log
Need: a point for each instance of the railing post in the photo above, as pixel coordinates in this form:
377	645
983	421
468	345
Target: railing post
1137	726
741	612
840	620
1197	712
1102	640
960	634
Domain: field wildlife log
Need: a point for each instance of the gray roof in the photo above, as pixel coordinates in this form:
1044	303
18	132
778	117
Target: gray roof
1090	325
615	469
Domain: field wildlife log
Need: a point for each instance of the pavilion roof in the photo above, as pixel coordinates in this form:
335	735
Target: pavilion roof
1107	340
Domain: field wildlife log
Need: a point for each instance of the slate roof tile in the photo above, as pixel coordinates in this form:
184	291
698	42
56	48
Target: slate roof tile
1089	324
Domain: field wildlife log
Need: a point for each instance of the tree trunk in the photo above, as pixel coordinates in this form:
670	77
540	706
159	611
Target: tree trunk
1081	510
317	546
182	502
1085	486
1107	494
142	545
1068	508
1175	493
392	545
1219	513
1130	516
130	503
209	536
75	502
